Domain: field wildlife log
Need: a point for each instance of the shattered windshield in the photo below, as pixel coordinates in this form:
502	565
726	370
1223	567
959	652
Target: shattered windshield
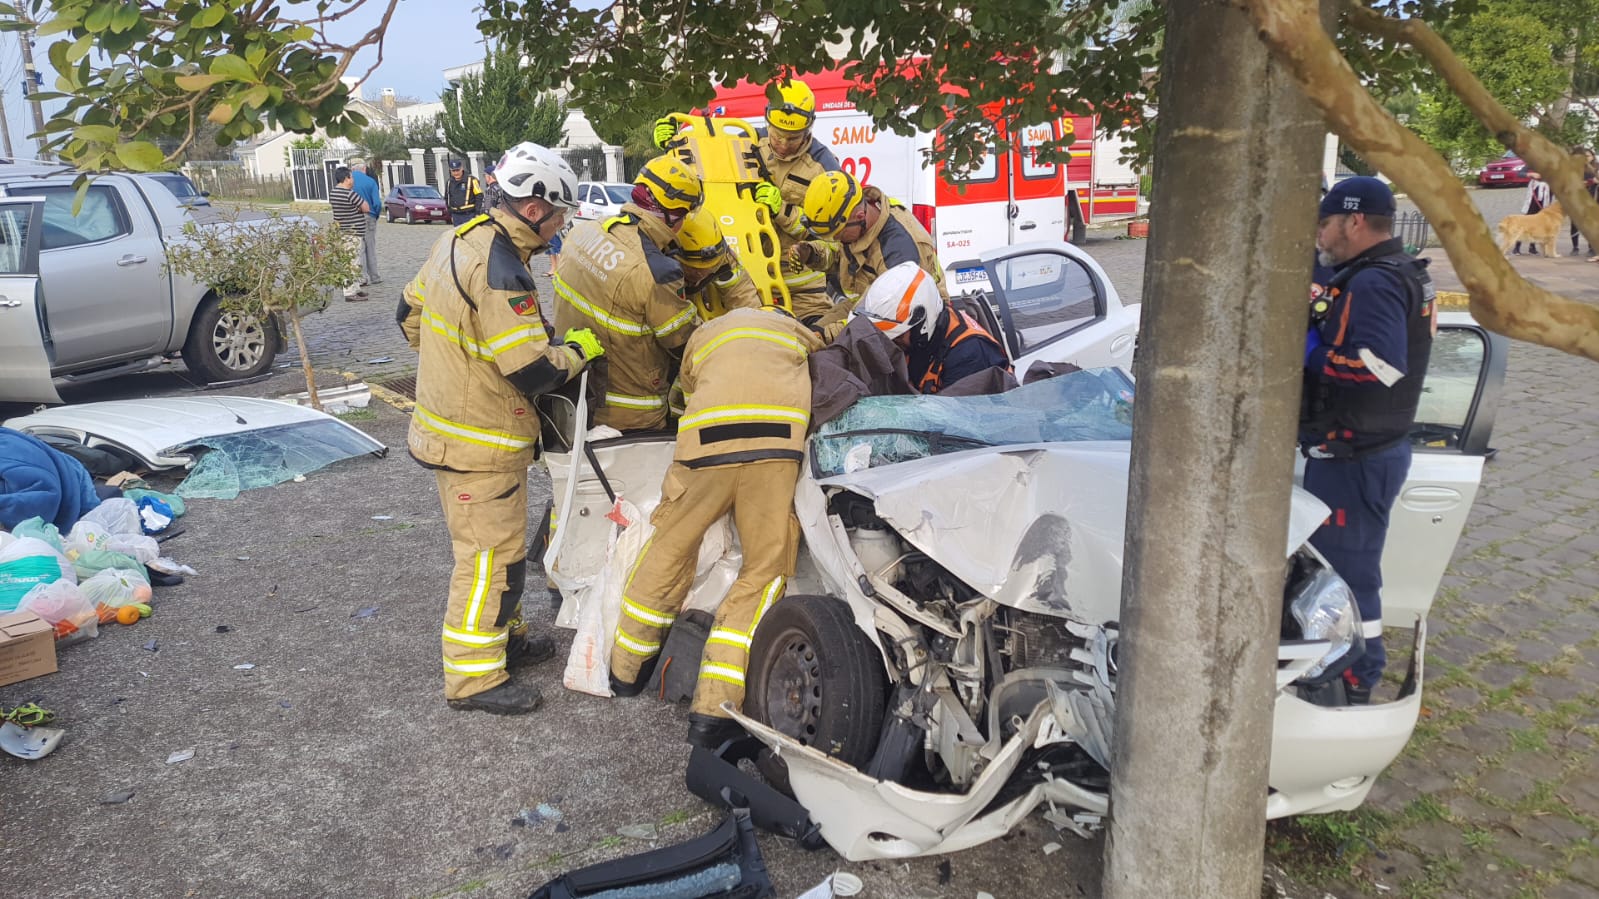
1096	404
267	456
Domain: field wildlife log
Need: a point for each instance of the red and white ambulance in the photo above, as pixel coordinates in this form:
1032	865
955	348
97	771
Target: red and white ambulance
1011	198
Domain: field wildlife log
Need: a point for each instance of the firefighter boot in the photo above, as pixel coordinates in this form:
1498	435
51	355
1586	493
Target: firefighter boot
528	650
711	731
509	698
636	686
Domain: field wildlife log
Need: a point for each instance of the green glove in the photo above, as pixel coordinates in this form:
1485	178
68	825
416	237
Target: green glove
586	343
665	128
769	196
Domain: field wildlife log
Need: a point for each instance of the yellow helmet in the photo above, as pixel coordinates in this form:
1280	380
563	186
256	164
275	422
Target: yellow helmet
796	109
671	184
700	242
829	203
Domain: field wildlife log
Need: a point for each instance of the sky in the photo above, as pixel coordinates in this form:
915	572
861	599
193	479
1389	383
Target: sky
425	37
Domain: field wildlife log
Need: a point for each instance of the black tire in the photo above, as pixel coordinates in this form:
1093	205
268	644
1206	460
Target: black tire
409	218
228	344
1074	220
815	677
389	211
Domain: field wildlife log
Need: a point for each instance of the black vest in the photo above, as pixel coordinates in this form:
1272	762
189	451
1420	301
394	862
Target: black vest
1364	420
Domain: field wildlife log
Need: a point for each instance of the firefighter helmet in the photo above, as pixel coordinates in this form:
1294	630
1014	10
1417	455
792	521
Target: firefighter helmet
795	109
829	203
700	242
671	184
904	299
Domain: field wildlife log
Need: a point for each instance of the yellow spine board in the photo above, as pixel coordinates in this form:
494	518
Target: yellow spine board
723	153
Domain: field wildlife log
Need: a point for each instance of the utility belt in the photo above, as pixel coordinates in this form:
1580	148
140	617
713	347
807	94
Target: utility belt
1346	451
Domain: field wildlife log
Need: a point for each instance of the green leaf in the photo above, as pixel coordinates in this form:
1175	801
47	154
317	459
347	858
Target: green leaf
80	48
141	156
232	68
100	18
196	83
210	16
257	95
105	134
57	25
126	17
221	114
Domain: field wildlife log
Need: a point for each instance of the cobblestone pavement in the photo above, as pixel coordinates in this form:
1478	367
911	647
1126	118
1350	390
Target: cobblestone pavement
1498	793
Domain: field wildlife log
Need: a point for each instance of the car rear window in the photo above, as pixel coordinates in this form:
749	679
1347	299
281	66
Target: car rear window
101	218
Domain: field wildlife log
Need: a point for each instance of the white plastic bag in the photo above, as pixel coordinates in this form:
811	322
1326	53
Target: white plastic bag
61	605
114	587
22	547
145	549
118	515
588	666
86	536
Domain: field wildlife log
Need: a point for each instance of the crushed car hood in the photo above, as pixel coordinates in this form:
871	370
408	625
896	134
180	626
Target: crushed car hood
1037	527
159	432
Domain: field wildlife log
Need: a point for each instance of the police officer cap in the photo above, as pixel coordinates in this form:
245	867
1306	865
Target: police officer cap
1363	194
488	168
455	165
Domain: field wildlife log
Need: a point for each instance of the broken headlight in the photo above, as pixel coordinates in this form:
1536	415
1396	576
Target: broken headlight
1325	608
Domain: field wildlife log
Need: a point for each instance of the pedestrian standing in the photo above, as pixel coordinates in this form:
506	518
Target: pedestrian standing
350	213
366	187
486	355
1537	199
1590	182
491	189
1366	354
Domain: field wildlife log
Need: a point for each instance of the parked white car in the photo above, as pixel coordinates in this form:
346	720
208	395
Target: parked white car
943	662
601	199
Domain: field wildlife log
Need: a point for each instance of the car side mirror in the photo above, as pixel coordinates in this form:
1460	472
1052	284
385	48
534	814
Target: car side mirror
205	193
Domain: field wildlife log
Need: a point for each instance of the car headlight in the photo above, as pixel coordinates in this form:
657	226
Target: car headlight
1325	609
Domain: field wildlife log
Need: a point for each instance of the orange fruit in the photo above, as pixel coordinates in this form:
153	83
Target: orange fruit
128	615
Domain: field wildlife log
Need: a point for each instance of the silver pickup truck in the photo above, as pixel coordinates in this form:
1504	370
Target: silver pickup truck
89	296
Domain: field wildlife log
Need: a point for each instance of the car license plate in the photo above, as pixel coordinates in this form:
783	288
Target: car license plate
1495	177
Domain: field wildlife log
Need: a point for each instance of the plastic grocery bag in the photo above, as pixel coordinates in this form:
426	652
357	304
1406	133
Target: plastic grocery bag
63	607
112	589
588	666
86	536
95	561
27	562
118	515
39	529
143	549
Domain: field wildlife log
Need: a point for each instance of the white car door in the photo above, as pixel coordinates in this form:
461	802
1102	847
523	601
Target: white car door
24	350
1054	304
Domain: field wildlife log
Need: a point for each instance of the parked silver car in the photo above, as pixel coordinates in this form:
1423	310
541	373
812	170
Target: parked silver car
86	294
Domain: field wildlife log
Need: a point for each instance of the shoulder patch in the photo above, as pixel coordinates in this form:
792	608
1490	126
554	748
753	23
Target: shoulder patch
525	304
506	270
663	268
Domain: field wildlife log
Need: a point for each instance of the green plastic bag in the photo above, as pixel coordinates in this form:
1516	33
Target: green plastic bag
91	563
39	529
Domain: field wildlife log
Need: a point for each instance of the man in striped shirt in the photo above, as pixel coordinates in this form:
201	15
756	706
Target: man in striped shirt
350	213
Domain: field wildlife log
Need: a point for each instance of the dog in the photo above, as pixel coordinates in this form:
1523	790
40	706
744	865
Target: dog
1538	229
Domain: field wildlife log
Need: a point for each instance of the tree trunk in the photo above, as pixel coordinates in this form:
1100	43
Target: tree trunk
1236	159
305	358
1555	116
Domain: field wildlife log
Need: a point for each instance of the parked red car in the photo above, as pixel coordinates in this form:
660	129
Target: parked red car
1504	171
415	203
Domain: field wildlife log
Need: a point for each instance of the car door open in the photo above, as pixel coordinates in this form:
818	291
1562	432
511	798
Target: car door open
25	358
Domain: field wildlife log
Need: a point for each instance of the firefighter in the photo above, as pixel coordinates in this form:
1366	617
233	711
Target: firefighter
1366	354
864	233
739	448
485	354
462	194
942	345
620	277
792	158
711	270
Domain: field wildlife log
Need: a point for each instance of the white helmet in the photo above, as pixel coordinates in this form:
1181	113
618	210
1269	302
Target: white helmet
904	299
529	170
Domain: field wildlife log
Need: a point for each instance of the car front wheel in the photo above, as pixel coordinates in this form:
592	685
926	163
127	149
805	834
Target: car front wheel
409	218
229	344
389	211
814	676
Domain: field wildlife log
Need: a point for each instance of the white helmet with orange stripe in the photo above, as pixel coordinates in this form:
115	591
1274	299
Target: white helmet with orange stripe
904	300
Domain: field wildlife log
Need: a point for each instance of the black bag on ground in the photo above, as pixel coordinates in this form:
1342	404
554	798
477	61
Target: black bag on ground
679	668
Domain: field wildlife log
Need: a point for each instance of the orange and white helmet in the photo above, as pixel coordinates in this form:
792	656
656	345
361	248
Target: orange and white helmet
903	300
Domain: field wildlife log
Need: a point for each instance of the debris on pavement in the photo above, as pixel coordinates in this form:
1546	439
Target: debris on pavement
181	755
116	798
366	612
838	883
639	832
725	862
29	743
153	646
383	518
243	667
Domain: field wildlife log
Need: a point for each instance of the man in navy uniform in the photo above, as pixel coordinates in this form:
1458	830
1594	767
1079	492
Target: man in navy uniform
1371	329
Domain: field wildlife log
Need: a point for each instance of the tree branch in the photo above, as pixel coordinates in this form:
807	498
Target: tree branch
1500	297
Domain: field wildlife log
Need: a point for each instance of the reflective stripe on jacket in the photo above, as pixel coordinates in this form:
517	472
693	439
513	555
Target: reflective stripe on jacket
748	389
616	278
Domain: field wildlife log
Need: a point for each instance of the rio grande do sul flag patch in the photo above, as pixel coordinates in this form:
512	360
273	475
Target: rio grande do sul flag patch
524	304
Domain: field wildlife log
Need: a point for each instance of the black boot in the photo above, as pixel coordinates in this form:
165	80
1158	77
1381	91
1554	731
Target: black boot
711	732
509	698
528	650
636	686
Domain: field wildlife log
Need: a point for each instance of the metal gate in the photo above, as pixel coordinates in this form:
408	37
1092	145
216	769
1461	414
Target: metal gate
1413	231
311	169
397	172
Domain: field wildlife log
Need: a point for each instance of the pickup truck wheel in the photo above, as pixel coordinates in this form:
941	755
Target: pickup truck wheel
409	218
227	344
815	677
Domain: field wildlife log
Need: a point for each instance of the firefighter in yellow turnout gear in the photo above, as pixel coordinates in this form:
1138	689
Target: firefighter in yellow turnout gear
793	158
486	352
620	278
739	448
712	274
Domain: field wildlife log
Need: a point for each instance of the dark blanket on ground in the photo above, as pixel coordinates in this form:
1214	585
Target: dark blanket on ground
37	479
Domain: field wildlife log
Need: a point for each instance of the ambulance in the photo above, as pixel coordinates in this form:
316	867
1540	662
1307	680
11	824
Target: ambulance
1012	197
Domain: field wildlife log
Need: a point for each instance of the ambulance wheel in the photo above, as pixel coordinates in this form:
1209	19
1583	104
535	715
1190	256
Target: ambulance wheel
815	677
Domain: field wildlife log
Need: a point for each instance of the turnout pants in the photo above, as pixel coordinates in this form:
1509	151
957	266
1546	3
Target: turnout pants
486	513
1361	493
761	496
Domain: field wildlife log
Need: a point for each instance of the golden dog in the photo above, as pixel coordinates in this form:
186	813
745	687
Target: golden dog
1539	229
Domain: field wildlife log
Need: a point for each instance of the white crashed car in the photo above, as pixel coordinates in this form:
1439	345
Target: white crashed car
944	661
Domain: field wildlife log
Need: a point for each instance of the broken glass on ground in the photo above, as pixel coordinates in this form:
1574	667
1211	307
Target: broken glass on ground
1090	405
234	463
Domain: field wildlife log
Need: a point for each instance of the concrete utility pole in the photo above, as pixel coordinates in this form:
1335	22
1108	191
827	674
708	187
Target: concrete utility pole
5	126
30	79
1219	358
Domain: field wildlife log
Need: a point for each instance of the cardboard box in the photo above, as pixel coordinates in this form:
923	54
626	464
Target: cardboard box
27	647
